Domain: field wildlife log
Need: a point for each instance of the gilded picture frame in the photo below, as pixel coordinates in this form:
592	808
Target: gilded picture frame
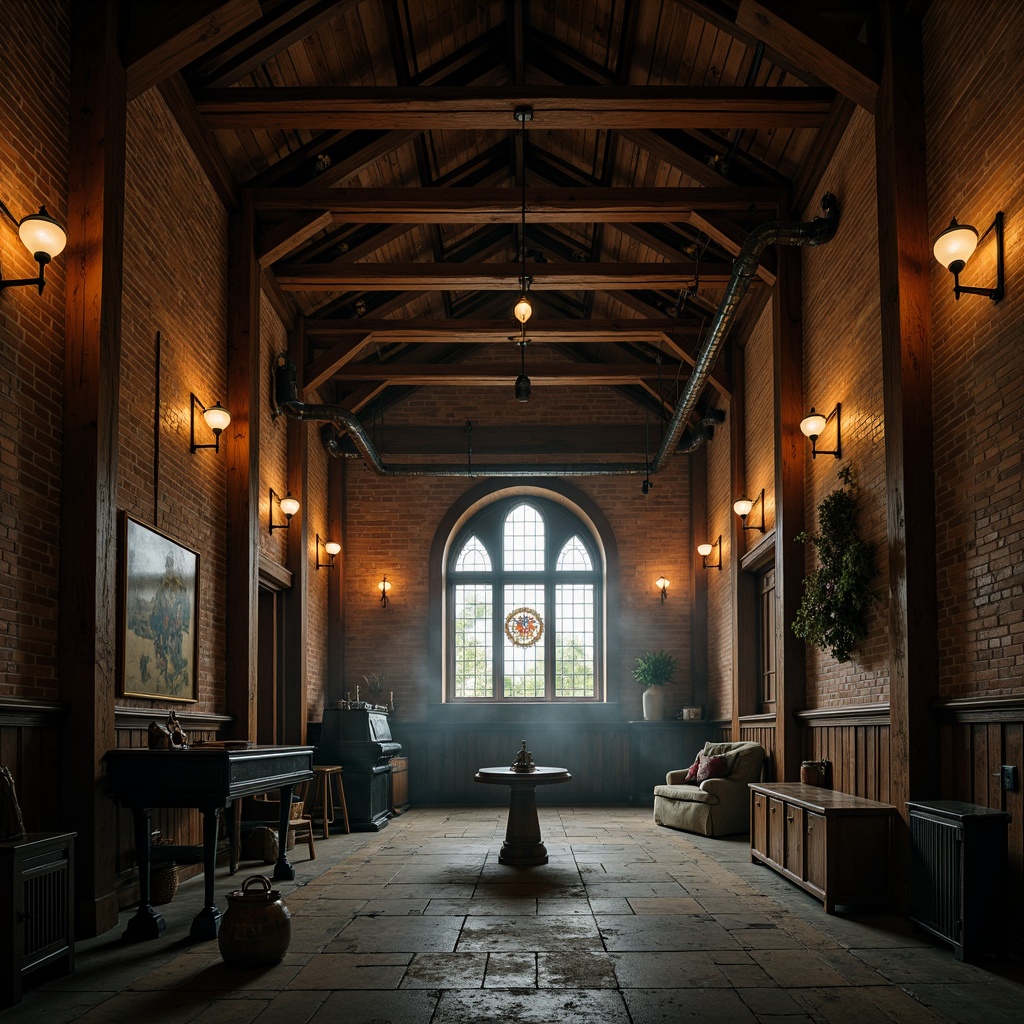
159	615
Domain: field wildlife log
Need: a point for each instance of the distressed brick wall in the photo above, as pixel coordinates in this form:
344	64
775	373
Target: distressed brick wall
34	77
175	285
843	363
720	624
759	462
974	95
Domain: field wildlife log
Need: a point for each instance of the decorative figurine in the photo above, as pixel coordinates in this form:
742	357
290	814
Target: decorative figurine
523	761
11	825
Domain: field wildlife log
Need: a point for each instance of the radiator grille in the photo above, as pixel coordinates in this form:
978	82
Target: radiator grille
45	914
936	876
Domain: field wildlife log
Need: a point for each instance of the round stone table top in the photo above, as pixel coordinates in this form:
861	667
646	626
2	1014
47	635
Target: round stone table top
538	777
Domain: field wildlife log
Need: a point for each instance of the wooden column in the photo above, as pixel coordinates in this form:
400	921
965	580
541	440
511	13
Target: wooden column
904	259
789	507
241	448
698	578
87	634
296	598
336	583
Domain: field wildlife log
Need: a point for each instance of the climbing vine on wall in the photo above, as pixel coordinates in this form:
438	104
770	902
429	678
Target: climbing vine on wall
838	593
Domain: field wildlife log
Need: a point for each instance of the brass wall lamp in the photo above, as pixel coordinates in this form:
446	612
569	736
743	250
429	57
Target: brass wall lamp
663	584
954	247
743	508
332	547
289	506
812	426
43	237
217	419
705	549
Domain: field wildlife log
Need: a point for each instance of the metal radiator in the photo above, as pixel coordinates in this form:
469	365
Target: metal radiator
936	876
45	915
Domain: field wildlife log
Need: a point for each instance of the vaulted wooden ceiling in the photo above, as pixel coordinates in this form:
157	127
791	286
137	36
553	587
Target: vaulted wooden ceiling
389	172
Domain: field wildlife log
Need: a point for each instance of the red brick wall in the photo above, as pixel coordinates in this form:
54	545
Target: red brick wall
389	526
720	624
273	439
759	462
34	76
175	285
974	94
316	649
843	363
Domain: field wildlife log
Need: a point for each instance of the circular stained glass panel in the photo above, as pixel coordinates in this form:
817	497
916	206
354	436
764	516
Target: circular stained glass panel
524	627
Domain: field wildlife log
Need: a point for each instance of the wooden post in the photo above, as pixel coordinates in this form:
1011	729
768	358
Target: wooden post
87	634
335	589
698	577
241	447
789	508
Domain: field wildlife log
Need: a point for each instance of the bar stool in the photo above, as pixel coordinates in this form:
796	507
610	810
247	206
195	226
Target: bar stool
323	796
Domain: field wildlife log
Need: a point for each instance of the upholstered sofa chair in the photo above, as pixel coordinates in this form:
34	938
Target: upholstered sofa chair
717	806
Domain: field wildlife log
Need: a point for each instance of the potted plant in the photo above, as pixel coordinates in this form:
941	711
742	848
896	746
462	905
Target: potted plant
653	670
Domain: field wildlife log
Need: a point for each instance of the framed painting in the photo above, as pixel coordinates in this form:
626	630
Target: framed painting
159	615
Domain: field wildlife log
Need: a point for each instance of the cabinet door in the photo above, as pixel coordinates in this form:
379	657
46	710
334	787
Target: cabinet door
814	846
777	831
759	822
794	819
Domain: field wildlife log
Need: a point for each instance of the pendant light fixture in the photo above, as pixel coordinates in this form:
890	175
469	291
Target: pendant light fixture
523	309
522	381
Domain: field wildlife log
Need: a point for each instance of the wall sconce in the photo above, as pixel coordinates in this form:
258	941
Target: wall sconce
384	587
217	418
953	248
814	423
705	549
43	237
332	547
289	506
743	508
663	584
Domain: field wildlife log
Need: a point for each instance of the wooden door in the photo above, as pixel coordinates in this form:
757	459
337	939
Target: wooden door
759	822
777	831
814	846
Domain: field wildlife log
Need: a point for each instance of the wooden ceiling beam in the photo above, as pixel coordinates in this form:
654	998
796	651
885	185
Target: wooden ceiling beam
731	237
504	205
526	439
500	374
829	54
485	107
494	276
456	332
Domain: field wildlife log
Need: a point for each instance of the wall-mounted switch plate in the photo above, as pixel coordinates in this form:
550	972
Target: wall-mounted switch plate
1010	776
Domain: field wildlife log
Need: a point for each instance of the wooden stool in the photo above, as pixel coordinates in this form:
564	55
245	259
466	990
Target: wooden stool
323	796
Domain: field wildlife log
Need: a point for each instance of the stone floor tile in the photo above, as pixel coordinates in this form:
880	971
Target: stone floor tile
446	970
290	1007
576	969
563	905
984	1003
667	970
398	934
511	970
352	971
630	889
798	968
409	1006
384	907
665	905
610	905
548	1006
658	932
771	1002
674	1006
866	1006
519	934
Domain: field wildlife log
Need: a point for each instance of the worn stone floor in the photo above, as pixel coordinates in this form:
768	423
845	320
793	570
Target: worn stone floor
628	922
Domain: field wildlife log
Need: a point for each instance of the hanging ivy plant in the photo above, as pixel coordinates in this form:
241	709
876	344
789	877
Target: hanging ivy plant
838	593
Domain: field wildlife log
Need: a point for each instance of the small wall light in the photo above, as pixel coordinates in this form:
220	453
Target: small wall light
743	508
217	418
953	248
43	237
332	547
289	506
662	584
814	423
384	587
705	549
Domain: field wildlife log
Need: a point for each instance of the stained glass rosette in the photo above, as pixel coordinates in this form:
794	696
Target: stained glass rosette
524	627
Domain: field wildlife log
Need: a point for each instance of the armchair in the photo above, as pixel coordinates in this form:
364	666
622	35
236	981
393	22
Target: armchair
718	806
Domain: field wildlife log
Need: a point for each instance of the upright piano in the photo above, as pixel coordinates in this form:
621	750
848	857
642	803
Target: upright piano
357	736
208	778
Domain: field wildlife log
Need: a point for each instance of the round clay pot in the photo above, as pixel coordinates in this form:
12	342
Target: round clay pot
257	926
654	703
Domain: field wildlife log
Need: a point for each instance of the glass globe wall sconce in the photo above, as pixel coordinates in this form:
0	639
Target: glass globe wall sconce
289	506
384	587
954	247
743	508
217	418
662	584
43	237
332	547
705	549
813	424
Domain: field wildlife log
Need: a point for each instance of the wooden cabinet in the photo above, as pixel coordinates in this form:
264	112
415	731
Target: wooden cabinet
834	845
399	784
37	883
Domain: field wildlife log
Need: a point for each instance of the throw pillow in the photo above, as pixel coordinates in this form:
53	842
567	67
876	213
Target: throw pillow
691	772
714	766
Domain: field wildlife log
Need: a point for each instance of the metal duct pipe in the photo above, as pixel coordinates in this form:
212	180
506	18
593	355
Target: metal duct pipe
814	232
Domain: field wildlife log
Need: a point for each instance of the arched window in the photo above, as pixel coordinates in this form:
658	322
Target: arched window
524	599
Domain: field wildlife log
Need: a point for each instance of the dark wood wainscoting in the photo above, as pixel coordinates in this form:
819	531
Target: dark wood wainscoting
761	729
856	741
30	747
977	737
178	824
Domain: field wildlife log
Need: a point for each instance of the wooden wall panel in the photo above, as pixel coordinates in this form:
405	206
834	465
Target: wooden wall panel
762	730
30	749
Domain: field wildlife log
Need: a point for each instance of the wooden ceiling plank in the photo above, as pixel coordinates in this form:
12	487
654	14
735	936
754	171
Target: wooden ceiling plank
504	205
482	107
731	237
494	276
164	37
843	62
